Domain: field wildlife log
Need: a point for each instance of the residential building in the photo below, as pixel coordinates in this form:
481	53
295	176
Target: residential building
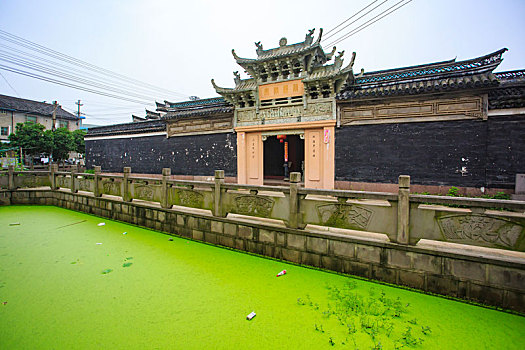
14	110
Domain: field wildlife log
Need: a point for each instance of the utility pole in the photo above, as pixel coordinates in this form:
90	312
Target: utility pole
78	112
55	105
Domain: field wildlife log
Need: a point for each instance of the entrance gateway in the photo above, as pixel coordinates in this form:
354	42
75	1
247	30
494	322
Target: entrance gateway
290	96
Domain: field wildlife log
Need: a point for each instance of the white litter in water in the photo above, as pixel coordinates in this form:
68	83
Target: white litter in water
124	233
250	316
99	243
101	224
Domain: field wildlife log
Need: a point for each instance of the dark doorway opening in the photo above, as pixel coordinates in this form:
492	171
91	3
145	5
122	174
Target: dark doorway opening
274	156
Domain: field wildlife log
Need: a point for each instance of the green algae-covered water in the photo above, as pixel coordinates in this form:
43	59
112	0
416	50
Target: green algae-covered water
68	283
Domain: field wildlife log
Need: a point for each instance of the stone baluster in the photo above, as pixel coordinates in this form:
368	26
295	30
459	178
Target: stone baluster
11	177
96	180
53	168
164	199
217	204
403	210
294	215
126	195
74	169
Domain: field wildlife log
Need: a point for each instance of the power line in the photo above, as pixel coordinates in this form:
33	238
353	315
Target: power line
42	61
55	73
369	22
349	18
74	61
51	80
9	84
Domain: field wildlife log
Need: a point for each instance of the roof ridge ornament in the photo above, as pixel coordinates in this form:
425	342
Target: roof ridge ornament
237	78
309	38
339	60
259	47
331	54
235	55
318	41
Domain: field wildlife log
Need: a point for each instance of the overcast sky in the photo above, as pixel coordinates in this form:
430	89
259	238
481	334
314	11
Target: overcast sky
180	46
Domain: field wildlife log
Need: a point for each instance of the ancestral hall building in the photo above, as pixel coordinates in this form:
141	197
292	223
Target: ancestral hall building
450	123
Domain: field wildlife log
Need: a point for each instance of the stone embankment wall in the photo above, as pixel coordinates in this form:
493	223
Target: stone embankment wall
477	274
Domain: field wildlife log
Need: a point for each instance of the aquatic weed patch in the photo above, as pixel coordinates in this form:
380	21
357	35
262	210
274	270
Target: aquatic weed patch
371	320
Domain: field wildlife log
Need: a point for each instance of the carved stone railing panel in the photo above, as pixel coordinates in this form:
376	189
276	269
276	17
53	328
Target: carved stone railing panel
4	180
371	216
482	230
85	184
111	186
146	191
264	206
31	180
63	181
186	197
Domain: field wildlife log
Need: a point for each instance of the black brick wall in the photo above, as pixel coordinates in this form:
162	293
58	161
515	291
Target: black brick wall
185	155
434	153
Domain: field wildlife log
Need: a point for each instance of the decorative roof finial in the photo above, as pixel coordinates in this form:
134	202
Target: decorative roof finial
283	42
236	78
339	59
259	47
235	55
331	54
319	37
309	37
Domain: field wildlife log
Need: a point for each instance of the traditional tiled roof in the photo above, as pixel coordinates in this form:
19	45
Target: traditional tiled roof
243	85
511	91
33	107
439	76
127	128
203	107
284	50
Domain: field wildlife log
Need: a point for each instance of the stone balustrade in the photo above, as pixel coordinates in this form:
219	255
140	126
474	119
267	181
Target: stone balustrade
403	217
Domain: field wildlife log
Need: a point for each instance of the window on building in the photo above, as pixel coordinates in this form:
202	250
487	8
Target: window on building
4	131
30	119
63	124
3	112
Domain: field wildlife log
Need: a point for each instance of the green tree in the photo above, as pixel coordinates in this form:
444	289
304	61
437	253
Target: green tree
30	137
79	144
62	143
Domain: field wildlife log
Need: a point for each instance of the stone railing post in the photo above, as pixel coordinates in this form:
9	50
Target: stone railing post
293	215
403	210
11	177
53	168
74	170
96	180
217	203
126	197
164	198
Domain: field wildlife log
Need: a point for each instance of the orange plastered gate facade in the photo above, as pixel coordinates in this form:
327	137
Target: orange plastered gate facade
285	112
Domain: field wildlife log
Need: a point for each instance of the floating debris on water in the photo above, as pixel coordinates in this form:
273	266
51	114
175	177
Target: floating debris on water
124	233
98	243
101	224
128	264
170	239
251	316
282	273
14	224
106	271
